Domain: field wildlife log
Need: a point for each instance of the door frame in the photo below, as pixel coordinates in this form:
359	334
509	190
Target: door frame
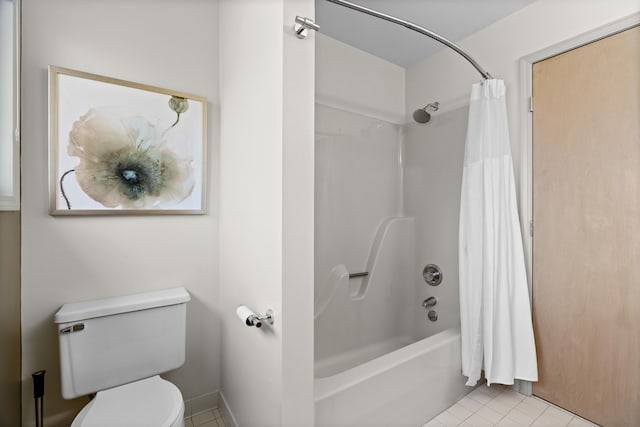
526	136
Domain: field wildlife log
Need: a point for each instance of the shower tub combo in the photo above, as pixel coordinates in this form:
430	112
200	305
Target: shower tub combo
387	202
380	360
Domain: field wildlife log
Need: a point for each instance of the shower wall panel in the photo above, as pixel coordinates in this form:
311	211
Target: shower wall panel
354	80
357	187
434	155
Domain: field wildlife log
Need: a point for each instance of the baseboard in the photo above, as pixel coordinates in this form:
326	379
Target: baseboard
225	411
202	403
55	420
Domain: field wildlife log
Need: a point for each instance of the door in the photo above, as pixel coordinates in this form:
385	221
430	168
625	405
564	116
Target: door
586	244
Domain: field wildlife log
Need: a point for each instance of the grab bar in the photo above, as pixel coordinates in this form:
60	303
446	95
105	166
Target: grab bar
354	275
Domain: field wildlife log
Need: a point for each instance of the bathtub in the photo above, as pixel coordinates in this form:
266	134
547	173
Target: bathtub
378	360
405	387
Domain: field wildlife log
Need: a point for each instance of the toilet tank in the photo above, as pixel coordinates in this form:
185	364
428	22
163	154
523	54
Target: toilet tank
109	342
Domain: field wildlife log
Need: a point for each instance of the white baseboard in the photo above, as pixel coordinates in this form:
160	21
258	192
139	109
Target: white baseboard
202	403
225	411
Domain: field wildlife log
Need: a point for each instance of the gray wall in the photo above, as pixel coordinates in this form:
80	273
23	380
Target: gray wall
157	42
9	319
434	157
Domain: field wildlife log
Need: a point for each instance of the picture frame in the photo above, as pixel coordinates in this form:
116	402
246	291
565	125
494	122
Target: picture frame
123	148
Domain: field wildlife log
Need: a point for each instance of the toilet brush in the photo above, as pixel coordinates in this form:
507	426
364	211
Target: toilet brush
38	395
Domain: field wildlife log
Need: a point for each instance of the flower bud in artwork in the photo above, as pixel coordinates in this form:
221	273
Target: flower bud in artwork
178	104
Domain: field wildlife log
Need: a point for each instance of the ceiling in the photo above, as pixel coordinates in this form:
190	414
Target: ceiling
452	19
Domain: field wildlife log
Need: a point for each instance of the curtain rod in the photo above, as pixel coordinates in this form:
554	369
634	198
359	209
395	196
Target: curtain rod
416	28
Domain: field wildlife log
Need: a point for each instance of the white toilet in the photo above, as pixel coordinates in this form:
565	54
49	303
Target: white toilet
116	347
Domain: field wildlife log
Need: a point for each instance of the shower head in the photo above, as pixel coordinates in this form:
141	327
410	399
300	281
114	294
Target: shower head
423	115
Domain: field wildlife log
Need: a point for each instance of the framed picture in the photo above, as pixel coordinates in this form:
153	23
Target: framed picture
117	147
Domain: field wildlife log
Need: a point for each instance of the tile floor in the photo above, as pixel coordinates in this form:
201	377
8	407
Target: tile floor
497	406
501	406
210	418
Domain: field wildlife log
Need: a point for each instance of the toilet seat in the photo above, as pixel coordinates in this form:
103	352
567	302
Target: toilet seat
152	402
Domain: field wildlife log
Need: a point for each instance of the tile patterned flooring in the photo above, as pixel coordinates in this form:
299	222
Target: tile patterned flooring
210	418
501	406
495	406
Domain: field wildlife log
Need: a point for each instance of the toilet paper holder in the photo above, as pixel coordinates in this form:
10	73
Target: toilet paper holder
252	319
256	320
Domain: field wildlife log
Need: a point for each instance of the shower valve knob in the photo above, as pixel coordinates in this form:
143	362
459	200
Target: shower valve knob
432	274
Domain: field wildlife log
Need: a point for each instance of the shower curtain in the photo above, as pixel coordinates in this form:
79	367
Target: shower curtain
495	314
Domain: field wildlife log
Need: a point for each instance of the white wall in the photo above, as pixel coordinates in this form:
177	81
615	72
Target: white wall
298	219
251	205
266	238
161	43
356	81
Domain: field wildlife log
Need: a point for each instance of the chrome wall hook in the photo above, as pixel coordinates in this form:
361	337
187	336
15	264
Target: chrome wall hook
302	25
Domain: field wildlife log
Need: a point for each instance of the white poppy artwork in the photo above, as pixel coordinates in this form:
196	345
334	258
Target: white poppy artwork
124	148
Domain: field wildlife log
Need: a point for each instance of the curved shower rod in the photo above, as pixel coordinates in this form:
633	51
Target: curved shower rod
416	28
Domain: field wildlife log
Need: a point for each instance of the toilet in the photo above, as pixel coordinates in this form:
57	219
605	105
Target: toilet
116	348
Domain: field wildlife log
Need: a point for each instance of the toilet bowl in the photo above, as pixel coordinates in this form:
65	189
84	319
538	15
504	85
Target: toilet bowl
152	402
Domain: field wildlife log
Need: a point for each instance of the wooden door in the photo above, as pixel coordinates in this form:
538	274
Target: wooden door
586	244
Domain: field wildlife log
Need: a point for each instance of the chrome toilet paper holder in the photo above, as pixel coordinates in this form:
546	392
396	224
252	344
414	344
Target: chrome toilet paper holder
252	319
255	320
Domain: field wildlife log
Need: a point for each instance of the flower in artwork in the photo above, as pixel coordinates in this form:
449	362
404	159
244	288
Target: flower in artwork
125	162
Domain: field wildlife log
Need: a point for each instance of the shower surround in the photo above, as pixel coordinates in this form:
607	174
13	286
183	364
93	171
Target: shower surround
387	203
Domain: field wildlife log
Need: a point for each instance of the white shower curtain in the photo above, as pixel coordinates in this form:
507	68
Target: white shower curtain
495	315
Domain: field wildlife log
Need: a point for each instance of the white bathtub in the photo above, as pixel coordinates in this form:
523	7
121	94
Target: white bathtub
406	387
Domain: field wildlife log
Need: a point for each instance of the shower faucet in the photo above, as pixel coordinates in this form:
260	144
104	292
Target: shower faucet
430	302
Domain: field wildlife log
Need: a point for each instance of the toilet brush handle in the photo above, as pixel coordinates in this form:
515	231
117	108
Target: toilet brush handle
38	395
38	384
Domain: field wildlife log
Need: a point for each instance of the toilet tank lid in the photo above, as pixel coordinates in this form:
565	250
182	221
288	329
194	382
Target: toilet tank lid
76	311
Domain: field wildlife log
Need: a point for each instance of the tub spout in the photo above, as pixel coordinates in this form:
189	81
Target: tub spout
430	302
